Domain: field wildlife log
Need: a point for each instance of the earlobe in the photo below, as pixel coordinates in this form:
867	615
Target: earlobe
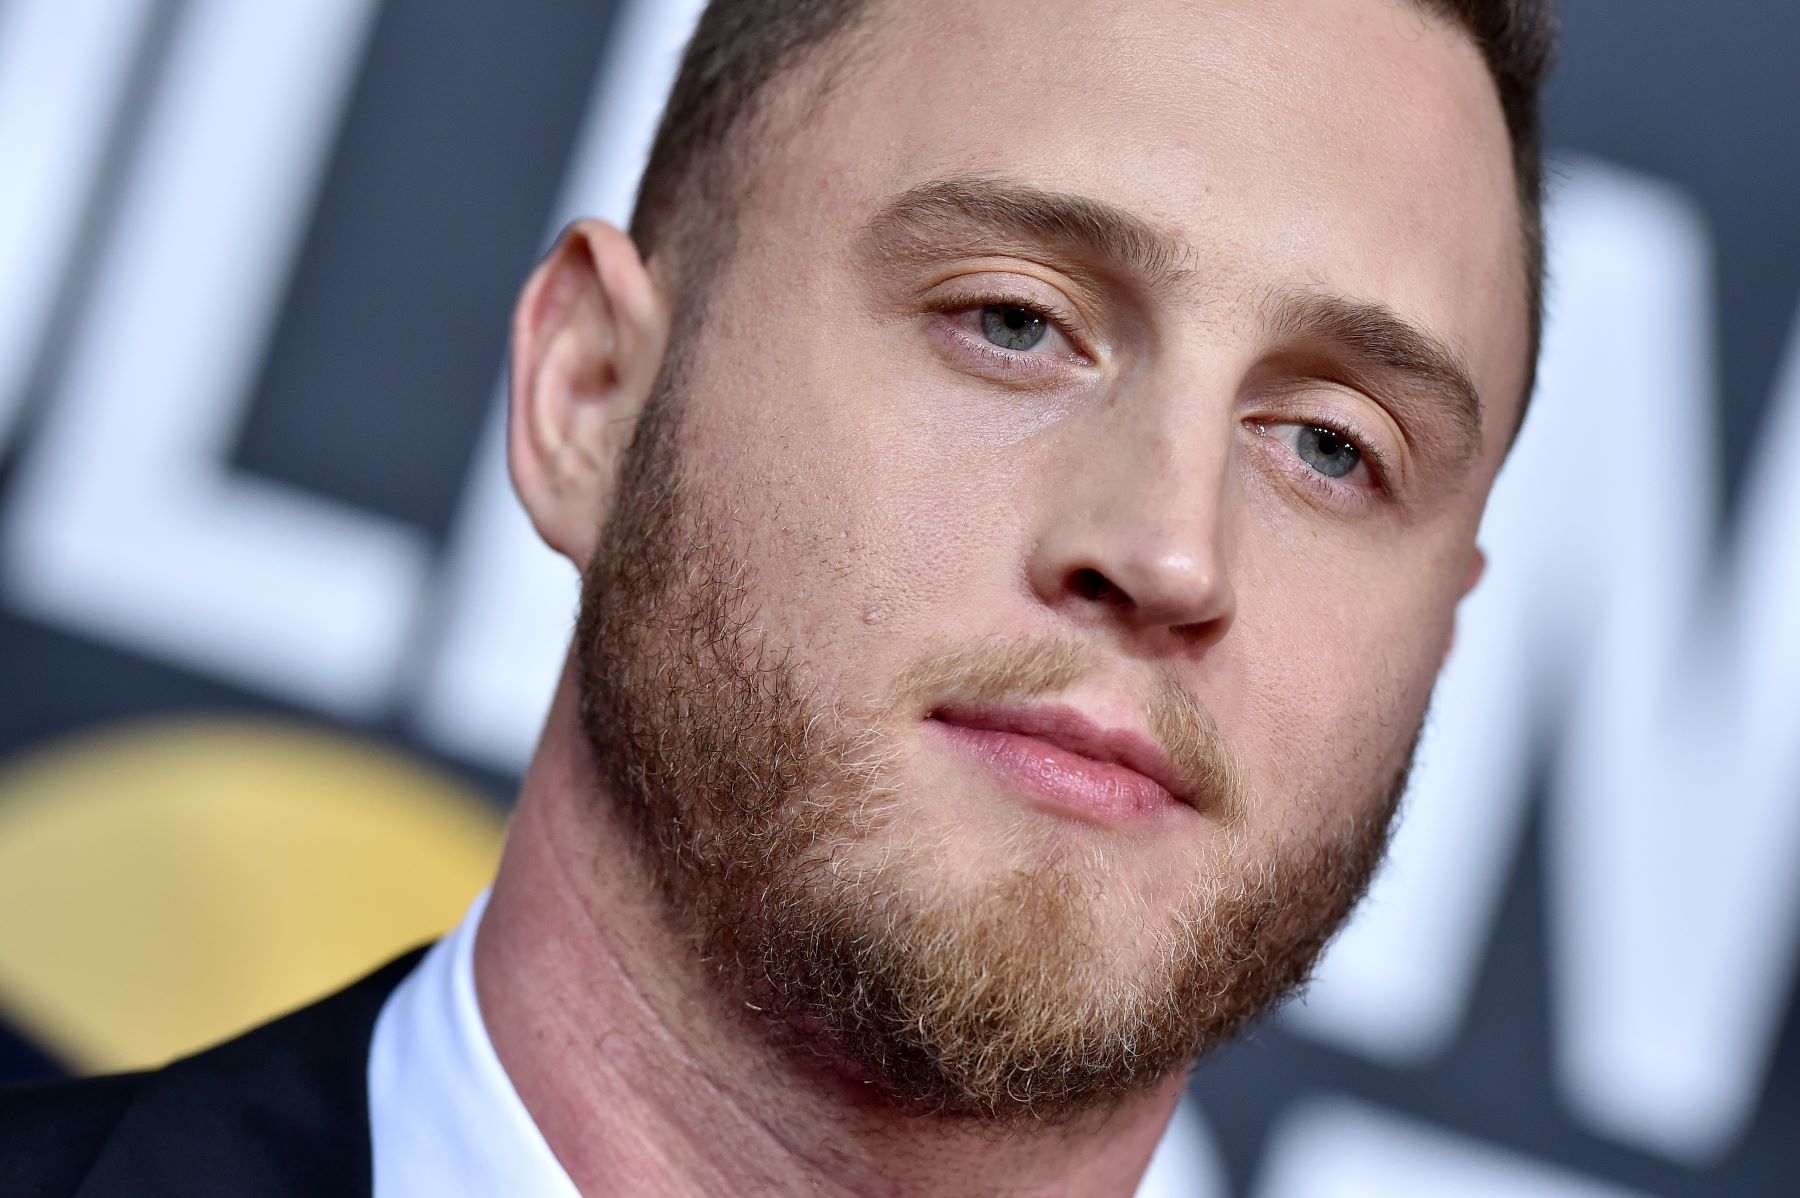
587	342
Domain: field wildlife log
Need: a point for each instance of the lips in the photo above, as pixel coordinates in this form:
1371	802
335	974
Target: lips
1062	753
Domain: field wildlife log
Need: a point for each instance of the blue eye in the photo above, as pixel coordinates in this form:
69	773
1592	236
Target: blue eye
1331	454
1011	327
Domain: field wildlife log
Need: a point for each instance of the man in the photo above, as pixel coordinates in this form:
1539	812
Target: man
1024	463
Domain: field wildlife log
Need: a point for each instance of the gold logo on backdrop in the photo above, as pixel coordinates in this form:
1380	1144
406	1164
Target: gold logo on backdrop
168	883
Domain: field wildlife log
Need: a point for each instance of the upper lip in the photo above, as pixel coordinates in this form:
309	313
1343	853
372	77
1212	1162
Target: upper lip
1069	729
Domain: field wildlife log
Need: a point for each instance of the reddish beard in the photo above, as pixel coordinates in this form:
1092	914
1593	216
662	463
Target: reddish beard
751	798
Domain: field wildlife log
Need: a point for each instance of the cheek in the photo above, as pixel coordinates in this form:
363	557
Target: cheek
1334	670
869	525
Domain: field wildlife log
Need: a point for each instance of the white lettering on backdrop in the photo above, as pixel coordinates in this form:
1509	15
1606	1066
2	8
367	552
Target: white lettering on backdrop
63	64
126	523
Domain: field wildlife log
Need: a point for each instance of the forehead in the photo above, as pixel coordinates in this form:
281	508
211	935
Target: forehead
1354	146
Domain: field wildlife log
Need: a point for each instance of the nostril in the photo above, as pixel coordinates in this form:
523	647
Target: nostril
1091	584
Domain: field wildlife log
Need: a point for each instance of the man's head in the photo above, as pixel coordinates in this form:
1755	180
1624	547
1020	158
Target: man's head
1063	439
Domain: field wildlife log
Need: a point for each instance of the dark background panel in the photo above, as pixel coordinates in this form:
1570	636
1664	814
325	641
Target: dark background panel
1706	96
21	1061
453	149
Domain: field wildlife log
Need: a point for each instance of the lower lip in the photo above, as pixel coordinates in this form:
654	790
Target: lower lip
1068	781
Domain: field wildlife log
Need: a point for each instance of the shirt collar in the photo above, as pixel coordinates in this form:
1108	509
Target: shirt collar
444	1119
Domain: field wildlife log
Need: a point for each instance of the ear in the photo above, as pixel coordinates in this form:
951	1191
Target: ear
1477	567
587	342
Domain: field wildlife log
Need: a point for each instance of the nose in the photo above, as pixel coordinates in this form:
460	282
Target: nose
1138	534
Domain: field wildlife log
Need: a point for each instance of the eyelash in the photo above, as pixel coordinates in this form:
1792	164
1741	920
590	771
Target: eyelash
1020	362
1380	468
1017	362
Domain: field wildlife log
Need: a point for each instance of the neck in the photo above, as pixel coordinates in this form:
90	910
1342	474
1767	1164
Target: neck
645	1080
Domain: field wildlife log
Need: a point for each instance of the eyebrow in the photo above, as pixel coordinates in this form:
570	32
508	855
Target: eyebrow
979	212
1371	338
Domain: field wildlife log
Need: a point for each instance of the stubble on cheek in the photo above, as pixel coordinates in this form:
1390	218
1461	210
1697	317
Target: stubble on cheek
707	736
783	849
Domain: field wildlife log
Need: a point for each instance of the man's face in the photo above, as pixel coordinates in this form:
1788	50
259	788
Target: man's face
1037	567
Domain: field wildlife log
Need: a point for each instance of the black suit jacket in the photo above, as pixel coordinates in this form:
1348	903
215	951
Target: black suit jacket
281	1112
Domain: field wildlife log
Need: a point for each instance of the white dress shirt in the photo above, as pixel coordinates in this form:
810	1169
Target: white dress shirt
444	1119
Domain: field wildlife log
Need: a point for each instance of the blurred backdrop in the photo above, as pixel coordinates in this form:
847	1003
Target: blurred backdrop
274	640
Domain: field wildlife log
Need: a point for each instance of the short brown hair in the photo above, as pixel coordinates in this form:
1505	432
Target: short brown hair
739	46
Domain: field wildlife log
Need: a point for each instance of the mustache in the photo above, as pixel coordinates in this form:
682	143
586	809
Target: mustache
1013	671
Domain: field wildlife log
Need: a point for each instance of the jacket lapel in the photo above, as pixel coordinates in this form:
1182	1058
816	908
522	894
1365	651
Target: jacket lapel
281	1111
